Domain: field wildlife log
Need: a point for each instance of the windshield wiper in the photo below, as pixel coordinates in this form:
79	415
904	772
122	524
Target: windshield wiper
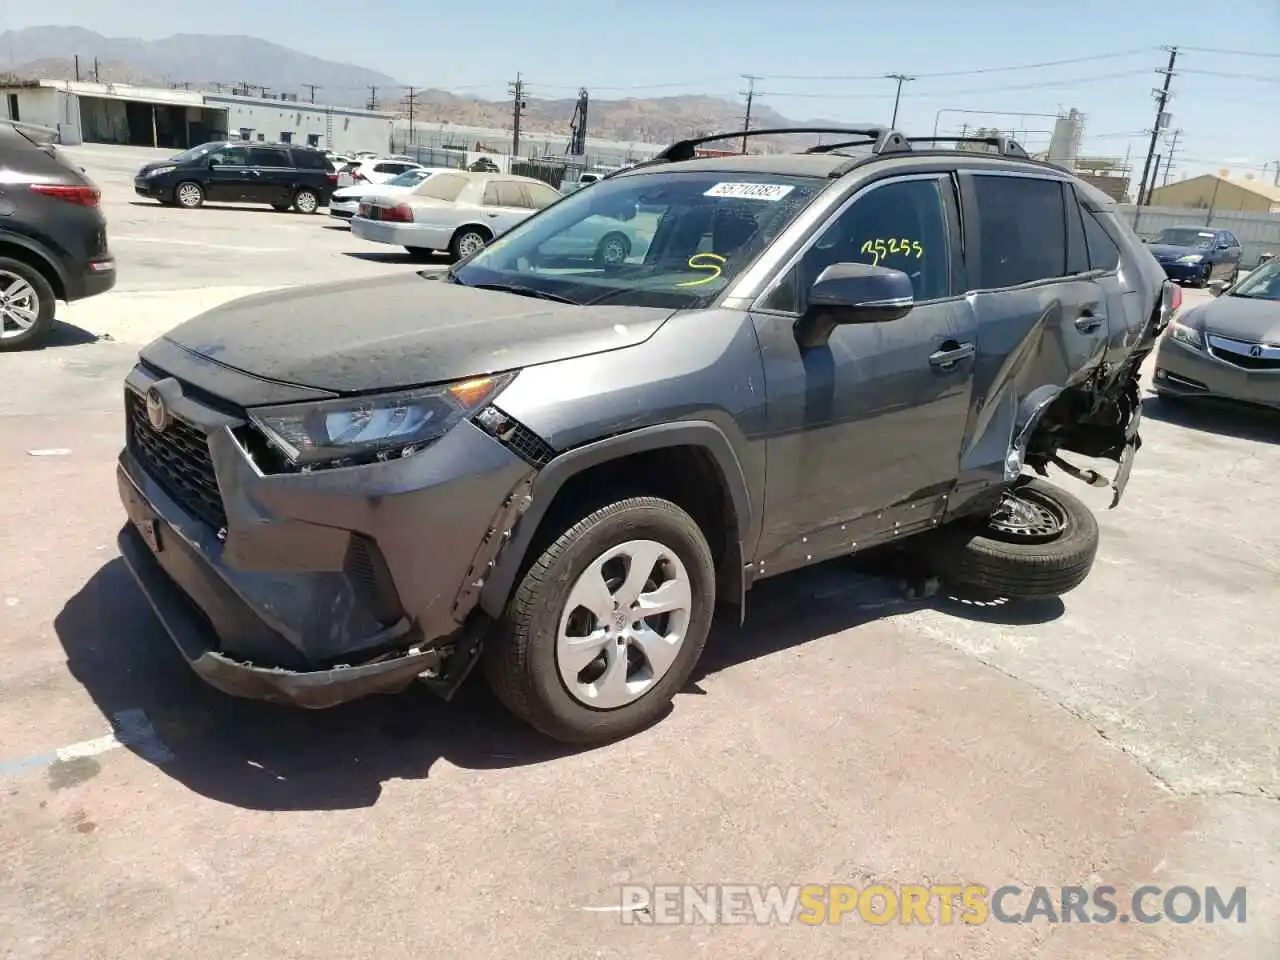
522	291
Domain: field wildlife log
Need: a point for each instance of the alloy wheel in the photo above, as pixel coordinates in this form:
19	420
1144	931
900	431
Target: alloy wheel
469	243
19	305
623	624
189	195
305	201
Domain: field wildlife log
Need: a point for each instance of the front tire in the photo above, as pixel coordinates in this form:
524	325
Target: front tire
27	305
1040	543
607	624
189	195
613	249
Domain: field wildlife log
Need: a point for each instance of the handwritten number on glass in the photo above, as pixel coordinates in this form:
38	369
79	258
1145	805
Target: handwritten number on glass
880	249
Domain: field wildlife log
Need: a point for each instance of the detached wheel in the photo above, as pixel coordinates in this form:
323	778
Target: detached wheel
614	248
1039	542
607	625
467	241
306	201
189	195
27	305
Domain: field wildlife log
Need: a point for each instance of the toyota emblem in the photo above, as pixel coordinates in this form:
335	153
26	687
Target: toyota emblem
157	411
1255	350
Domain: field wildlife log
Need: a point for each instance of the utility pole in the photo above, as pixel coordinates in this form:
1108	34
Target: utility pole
1155	172
1162	120
901	78
1277	180
518	104
373	98
1168	157
409	99
77	68
95	70
750	94
311	91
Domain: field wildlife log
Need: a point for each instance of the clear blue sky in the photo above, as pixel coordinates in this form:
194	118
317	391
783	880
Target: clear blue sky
658	47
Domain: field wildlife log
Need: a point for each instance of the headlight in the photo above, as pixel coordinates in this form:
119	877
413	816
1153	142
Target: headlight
1191	258
1185	334
159	170
361	429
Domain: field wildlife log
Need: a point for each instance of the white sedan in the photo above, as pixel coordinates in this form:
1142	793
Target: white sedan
346	200
458	211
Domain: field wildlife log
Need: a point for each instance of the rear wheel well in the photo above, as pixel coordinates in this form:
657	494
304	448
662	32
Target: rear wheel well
687	475
36	262
477	227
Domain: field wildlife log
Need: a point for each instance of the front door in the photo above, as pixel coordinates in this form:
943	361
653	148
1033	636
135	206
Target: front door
271	175
228	179
865	431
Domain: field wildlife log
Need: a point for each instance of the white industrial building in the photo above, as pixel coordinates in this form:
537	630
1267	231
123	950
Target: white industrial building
119	113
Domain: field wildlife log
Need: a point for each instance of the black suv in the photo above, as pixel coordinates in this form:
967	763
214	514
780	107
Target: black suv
53	236
281	175
559	465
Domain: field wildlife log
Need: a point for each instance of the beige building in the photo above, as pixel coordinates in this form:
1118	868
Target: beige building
1214	192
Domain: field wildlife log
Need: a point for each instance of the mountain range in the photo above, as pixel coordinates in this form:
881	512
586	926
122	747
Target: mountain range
204	61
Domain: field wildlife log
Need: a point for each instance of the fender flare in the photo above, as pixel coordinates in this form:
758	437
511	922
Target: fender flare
18	240
557	472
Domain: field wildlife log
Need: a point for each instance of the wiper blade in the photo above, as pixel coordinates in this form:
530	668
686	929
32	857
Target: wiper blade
523	291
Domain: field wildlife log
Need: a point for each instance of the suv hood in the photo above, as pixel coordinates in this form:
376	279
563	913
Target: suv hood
385	333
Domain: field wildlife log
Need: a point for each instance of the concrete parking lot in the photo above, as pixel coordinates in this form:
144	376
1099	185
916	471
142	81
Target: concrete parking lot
1126	735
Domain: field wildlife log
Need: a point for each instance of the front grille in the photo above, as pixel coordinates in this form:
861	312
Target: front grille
178	460
1246	362
1239	353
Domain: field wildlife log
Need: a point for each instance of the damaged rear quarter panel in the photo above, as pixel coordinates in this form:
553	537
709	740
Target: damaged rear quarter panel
1029	348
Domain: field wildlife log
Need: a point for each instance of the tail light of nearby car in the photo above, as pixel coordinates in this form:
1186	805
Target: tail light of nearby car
1170	301
81	195
358	176
399	213
332	177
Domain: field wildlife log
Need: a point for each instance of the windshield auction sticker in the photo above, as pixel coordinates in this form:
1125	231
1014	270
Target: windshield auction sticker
772	192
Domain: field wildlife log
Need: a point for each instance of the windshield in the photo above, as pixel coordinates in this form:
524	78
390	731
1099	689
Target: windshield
409	178
1261	284
195	153
1186	237
648	239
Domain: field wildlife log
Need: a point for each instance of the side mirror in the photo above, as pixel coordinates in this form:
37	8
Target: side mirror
1217	287
853	293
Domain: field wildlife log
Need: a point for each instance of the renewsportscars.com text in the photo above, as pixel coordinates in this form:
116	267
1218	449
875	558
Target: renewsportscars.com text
878	904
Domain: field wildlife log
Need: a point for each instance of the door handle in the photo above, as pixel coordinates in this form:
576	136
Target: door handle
1088	322
950	354
490	214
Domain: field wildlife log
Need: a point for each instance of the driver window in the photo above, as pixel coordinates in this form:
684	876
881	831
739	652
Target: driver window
230	157
900	225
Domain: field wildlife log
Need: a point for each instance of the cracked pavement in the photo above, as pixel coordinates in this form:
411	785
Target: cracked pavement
847	734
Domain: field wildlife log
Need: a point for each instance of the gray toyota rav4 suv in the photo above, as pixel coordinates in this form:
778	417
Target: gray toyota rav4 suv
558	465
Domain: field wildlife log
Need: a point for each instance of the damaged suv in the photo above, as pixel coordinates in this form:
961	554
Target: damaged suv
558	466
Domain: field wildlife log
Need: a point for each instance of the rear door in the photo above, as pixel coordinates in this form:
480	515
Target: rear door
1042	314
228	174
271	175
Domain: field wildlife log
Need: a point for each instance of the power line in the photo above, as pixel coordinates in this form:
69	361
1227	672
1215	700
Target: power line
1233	76
1070	82
1230	53
750	94
983	70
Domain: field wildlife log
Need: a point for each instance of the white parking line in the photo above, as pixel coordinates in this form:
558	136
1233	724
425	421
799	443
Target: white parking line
132	729
198	243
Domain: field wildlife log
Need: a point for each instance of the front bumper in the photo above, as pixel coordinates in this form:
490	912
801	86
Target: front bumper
1184	371
317	588
418	235
151	188
343	209
1184	272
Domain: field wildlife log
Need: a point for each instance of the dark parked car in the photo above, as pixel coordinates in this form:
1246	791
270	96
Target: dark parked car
279	174
561	467
1197	255
1228	348
53	236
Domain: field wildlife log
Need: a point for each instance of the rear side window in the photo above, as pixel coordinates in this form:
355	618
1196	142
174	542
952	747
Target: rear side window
1022	230
310	160
1103	252
393	168
442	186
268	157
503	193
1077	246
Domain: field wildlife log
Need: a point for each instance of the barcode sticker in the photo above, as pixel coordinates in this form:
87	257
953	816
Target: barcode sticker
772	192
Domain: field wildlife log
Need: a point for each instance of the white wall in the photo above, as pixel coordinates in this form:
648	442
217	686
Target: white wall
351	131
37	105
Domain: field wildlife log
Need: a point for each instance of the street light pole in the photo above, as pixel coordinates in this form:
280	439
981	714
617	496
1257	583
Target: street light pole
901	78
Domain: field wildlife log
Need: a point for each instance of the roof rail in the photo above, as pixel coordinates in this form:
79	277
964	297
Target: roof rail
1005	146
686	149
